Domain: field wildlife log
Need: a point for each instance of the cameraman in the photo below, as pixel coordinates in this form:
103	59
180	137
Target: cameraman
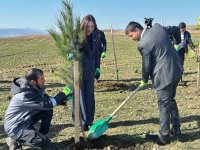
148	22
172	31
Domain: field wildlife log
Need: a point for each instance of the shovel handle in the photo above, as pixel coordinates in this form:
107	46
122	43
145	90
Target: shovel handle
125	101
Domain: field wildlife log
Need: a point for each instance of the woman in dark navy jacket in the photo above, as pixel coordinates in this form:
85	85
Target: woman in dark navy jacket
90	68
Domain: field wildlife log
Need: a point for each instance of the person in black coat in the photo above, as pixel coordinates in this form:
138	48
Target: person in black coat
90	66
185	41
103	45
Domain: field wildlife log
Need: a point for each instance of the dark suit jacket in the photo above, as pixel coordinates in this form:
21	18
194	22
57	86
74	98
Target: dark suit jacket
174	34
160	60
90	57
188	41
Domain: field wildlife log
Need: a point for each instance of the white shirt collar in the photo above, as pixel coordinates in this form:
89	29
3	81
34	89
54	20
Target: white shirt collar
142	34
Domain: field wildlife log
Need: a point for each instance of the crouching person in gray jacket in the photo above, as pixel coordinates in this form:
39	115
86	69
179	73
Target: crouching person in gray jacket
29	105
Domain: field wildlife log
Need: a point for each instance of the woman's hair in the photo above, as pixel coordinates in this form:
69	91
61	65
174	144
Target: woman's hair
131	27
33	74
84	25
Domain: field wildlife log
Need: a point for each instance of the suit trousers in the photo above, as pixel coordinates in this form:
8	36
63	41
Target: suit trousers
181	54
168	109
33	138
87	103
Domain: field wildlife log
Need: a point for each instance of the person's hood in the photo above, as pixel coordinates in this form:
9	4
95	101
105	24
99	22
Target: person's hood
20	85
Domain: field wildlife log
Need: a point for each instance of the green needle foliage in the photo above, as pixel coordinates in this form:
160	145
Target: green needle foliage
70	38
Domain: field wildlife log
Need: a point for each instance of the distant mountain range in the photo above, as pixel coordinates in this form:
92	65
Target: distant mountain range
13	32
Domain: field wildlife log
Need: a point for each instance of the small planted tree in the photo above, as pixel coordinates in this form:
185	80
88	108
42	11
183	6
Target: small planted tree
69	42
69	39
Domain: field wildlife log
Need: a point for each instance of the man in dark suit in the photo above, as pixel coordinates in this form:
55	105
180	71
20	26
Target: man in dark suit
160	61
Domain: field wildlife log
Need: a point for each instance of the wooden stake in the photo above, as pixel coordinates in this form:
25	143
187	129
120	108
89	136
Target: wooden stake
198	71
198	76
117	71
198	57
76	101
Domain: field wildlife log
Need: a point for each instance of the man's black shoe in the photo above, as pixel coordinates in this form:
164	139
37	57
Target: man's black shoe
151	137
157	139
175	133
182	83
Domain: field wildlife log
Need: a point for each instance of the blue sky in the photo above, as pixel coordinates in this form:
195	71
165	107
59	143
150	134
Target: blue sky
41	14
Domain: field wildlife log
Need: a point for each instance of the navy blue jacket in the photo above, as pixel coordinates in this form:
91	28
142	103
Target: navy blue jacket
103	43
90	57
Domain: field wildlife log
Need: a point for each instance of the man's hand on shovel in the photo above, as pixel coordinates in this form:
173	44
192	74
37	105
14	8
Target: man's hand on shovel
143	84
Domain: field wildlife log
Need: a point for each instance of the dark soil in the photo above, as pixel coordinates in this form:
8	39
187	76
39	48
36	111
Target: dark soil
104	142
112	86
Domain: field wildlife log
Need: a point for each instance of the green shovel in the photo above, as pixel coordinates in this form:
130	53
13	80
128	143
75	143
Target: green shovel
100	126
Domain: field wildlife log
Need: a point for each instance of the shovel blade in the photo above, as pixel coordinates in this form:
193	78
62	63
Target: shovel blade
97	129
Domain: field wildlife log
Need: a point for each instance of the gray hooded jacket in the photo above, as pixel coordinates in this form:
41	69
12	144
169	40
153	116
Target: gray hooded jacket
26	102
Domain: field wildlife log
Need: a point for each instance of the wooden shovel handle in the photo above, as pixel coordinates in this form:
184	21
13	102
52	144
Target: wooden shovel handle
125	101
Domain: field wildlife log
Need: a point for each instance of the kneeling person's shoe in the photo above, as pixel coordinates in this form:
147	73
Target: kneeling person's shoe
52	146
13	145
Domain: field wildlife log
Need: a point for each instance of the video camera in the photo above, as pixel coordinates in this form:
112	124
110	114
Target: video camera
148	22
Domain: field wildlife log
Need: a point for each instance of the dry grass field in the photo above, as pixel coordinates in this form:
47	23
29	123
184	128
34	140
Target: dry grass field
129	126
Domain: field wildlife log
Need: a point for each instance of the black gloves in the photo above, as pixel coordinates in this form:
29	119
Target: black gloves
66	95
61	98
